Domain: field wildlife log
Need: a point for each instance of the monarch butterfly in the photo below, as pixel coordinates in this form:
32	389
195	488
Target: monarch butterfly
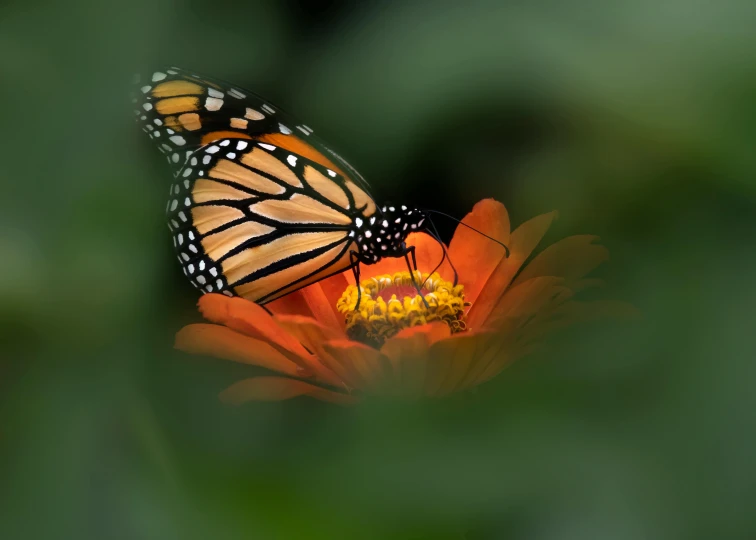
259	207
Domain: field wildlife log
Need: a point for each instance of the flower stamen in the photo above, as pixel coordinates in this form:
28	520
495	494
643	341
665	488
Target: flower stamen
391	303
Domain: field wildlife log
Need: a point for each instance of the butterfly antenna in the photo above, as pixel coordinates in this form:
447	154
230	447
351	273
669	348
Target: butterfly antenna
502	244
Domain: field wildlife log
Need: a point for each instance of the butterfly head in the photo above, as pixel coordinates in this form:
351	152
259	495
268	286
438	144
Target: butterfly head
384	233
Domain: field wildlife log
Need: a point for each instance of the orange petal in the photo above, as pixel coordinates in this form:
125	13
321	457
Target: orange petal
387	265
571	258
278	389
291	304
407	352
312	301
505	357
598	309
428	252
322	308
527	300
222	342
522	243
475	256
491	350
312	335
359	365
333	288
251	319
449	363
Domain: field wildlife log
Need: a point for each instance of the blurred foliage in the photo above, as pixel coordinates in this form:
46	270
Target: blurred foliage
634	119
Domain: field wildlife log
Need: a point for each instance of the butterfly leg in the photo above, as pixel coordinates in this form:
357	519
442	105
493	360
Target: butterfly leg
356	271
407	252
411	251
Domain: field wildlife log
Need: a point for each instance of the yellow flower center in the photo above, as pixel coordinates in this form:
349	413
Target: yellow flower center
391	303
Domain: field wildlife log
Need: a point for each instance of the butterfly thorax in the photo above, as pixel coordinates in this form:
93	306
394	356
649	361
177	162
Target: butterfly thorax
384	233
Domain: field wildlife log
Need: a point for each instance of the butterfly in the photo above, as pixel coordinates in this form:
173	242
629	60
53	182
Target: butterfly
259	206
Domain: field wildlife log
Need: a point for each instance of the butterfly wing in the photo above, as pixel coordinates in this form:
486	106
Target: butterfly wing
259	207
182	111
258	221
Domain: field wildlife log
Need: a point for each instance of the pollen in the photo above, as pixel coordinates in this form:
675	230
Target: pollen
390	303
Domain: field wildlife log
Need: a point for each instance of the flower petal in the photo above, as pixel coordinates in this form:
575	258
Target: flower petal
358	365
527	300
312	335
322	308
222	342
571	258
428	252
505	357
291	304
492	350
278	389
253	320
475	256
313	301
522	243
333	287
407	352
450	361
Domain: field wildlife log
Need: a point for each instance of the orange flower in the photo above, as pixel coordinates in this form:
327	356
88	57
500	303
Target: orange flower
467	334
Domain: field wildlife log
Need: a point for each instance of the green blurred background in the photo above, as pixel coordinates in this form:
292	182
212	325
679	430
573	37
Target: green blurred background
634	119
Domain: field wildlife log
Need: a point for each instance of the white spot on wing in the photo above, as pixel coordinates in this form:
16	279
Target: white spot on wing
284	129
268	146
241	145
178	139
212	92
213	104
292	160
158	76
